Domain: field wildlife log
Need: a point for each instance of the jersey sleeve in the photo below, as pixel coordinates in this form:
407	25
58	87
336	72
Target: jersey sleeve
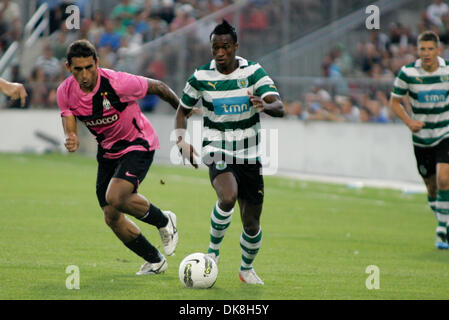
400	84
191	93
61	98
130	87
263	84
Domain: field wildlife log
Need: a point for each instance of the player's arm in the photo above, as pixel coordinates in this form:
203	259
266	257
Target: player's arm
163	91
13	90
399	111
71	133
186	149
271	104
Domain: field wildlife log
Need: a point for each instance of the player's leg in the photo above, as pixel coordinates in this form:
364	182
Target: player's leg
426	159
129	233
123	228
442	205
251	193
432	190
250	240
225	185
122	195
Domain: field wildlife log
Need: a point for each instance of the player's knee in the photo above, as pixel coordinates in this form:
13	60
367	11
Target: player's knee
115	200
251	228
111	216
443	184
227	201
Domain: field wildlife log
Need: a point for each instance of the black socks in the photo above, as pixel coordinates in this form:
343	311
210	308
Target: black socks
144	249
155	217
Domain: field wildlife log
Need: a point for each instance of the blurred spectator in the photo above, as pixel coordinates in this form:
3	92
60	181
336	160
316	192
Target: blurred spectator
109	38
96	28
435	11
49	64
124	13
342	59
10	24
378	113
107	57
365	115
142	26
256	19
149	103
158	27
60	40
183	17
130	49
348	110
167	11
38	92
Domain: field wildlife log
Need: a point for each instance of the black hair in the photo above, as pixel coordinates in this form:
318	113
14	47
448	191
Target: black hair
81	49
224	28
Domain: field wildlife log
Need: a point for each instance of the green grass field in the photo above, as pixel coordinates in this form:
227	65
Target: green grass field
318	238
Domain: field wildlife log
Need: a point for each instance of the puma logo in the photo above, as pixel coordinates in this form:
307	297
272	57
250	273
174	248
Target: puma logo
213	85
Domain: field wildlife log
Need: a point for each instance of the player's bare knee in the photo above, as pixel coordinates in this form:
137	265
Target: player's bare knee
443	184
227	201
252	228
115	200
111	216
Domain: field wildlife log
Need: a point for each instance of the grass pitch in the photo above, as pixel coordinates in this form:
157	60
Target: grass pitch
318	239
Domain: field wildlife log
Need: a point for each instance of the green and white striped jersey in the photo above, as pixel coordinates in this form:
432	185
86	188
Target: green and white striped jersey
429	98
230	123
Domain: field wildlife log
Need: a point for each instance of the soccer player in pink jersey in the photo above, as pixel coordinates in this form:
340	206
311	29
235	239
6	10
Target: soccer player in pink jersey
105	101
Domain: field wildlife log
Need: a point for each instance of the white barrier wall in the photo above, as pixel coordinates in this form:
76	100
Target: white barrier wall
370	151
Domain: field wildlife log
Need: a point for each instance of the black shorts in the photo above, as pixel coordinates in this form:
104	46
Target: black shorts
248	176
428	157
132	167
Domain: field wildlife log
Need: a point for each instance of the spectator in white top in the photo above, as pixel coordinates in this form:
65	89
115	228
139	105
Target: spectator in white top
435	11
49	63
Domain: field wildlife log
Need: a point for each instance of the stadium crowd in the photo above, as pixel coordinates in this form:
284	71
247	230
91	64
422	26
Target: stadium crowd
378	59
119	37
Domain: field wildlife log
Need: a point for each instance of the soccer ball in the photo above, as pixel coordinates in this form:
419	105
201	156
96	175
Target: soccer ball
197	270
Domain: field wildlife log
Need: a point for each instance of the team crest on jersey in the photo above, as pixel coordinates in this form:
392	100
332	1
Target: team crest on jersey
423	170
445	78
242	83
221	165
106	102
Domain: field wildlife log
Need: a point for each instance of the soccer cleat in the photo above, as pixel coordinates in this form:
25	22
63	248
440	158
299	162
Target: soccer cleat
250	277
153	268
441	241
169	234
214	257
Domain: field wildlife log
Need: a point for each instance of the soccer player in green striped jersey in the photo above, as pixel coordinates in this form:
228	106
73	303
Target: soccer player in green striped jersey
233	92
426	81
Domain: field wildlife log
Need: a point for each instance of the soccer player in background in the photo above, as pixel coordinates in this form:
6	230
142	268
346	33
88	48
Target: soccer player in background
427	83
105	101
233	91
13	90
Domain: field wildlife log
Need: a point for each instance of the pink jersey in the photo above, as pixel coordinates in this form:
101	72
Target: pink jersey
111	112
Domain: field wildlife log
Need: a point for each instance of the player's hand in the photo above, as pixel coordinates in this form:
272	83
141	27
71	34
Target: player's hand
187	152
16	91
71	142
415	125
257	102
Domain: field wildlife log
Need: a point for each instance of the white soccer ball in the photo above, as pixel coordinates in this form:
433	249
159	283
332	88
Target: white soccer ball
198	270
